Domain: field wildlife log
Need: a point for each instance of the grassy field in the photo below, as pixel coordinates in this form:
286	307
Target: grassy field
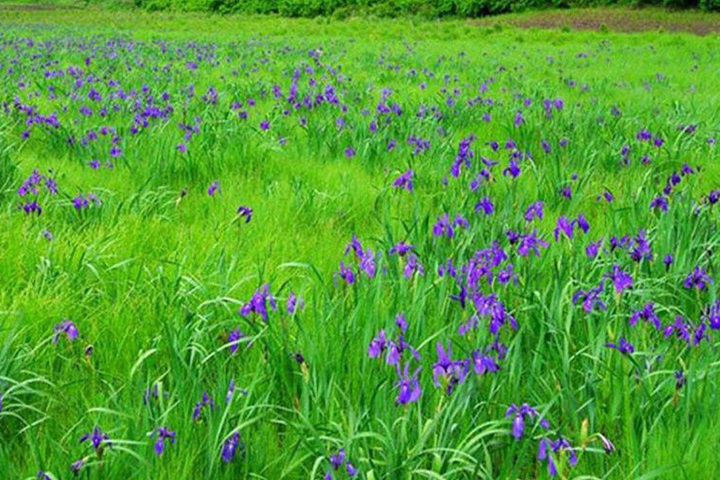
235	247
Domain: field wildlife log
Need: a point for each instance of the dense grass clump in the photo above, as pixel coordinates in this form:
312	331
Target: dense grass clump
228	252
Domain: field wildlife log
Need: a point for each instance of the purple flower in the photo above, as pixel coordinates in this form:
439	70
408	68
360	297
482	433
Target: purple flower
535	210
621	280
547	448
413	266
711	313
181	147
409	390
205	401
659	203
623	346
519	415
450	371
590	299
646	314
265	125
564	226
294	303
338	459
234	340
230	447
97	438
697	279
530	242
405	181
76	466
486	205
163	433
259	303
350	152
401	249
668	260
66	327
378	345
214	188
346	274
593	249
245	212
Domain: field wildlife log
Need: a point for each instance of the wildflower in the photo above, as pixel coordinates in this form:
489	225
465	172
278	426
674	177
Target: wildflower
346	274
668	260
66	327
294	304
350	152
234	339
409	390
659	203
245	212
483	363
590	299
76	466
181	147
531	243
486	205
564	226
711	313
97	438
519	415
593	249
697	279
265	125
205	401
623	346
452	372
647	314
620	279
535	210
401	249
405	181
163	434
413	266
230	447
214	188
259	303
546	449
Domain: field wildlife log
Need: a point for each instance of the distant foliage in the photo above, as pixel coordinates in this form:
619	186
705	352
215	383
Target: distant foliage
394	8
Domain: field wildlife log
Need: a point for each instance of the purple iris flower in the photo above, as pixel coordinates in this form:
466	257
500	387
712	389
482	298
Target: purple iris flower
621	280
214	188
405	181
548	448
76	466
535	210
294	303
409	390
163	434
205	401
66	327
711	313
413	266
668	260
590	298
259	303
450	371
520	414
623	346
659	203
97	438
350	152
564	226
698	279
530	242
230	447
401	249
646	314
245	212
233	339
485	205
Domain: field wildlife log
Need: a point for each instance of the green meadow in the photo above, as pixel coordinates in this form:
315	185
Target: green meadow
134	145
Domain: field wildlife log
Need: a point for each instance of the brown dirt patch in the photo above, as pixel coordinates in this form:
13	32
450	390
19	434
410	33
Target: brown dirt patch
619	21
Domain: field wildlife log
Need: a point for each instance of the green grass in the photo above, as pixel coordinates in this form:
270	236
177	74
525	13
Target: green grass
154	276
